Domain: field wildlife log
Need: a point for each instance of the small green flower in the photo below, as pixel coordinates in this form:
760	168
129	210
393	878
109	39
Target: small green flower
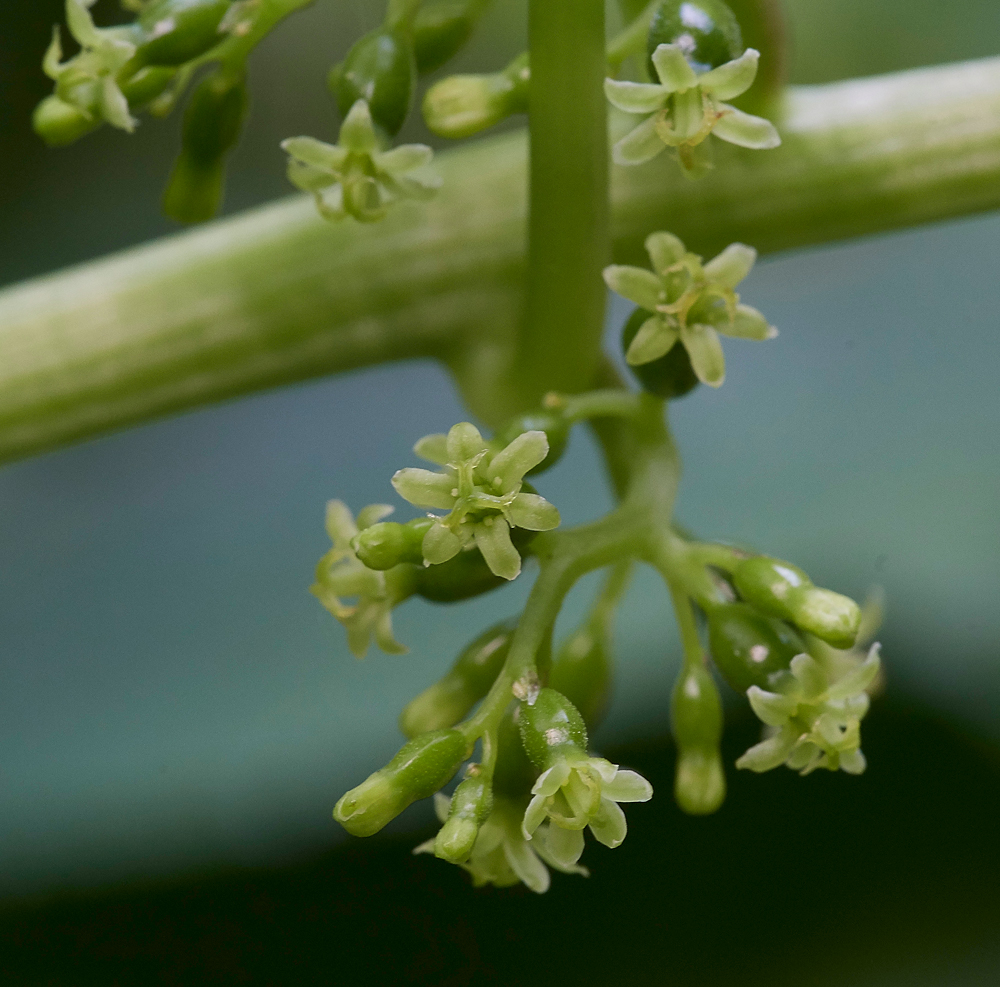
691	302
89	80
355	177
814	716
341	574
685	107
481	490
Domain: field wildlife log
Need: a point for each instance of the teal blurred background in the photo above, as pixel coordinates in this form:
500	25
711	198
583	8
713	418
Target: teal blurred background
173	702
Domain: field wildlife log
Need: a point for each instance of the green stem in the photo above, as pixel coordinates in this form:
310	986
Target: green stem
569	218
610	403
686	622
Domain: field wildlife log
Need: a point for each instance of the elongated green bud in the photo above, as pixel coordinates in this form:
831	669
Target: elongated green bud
467	574
177	31
556	430
441	28
146	85
381	70
582	672
470	805
696	719
463	105
388	543
451	698
420	769
551	726
706	31
212	125
749	647
781	589
669	376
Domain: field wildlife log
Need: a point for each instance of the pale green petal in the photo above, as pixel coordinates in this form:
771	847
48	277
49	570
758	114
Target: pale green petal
853	762
747	323
608	824
688	116
426	847
309	178
433	448
855	707
732	78
771	752
311	151
442	807
745	130
636	284
493	540
672	68
424	488
551	779
804	757
357	132
404	158
635	97
363	199
656	337
627	786
340	524
664	251
639	145
806	669
705	349
605	770
859	679
330	203
770	707
464	443
81	24
372	514
534	816
53	55
385	639
440	544
565	846
526	865
114	106
532	512
731	266
524	453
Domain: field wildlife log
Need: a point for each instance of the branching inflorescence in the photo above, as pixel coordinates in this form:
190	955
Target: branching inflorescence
512	709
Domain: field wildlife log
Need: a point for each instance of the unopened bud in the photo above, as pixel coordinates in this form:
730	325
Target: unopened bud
470	805
696	720
551	726
387	544
748	647
179	30
463	105
59	123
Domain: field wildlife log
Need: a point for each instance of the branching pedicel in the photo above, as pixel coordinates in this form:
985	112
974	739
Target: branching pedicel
533	787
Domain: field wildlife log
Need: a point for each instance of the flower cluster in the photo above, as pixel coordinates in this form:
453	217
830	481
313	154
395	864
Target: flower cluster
354	177
482	490
684	107
690	302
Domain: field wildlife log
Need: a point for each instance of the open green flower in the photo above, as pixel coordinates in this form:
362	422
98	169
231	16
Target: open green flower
691	302
685	107
578	792
341	574
481	490
89	81
814	716
355	177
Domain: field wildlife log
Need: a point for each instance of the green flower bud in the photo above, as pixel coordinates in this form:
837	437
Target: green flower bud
696	719
451	698
389	544
463	105
780	589
177	31
550	727
59	123
146	85
441	28
749	647
470	805
379	69
513	774
420	769
669	376
212	124
582	672
705	30
556	430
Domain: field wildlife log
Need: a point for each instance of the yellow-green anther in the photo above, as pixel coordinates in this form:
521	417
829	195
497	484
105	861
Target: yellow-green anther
689	302
420	768
696	721
355	177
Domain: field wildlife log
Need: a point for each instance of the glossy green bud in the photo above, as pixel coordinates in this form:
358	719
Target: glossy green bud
696	720
463	105
387	543
706	31
513	774
441	28
470	805
670	376
422	767
582	672
146	85
59	123
550	726
467	574
381	70
451	698
781	589
556	430
749	647
177	31
212	124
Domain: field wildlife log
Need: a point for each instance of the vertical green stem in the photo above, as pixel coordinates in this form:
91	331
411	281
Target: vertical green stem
568	226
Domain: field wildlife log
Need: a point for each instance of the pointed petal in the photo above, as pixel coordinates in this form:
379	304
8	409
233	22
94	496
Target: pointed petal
551	779
424	488
853	762
664	251
639	145
442	806
804	757
372	514
565	846
81	24
770	707
385	639
524	453
440	544
656	337
635	97
340	524
705	349
433	448
114	106
636	284
404	158
608	825
534	816
732	78
627	786
426	847
806	669
53	55
672	68
745	130
604	769
493	540
532	512
464	442
747	323
315	152
731	266
356	132
859	679
770	753
526	865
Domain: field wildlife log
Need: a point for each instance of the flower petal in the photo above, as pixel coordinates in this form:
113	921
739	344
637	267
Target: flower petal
806	669
340	524
526	865
672	68
356	132
687	118
770	707
404	158
731	266
635	97
565	846
493	540
534	816
664	250
440	544
384	637
627	786
532	512
372	514
745	130
464	443
442	806
636	284
747	323
310	151
857	680
639	145
551	779
705	349
732	78
608	824
853	762
524	453
771	752
424	488
656	337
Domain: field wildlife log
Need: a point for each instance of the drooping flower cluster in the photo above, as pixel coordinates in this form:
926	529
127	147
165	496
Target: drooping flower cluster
689	302
482	491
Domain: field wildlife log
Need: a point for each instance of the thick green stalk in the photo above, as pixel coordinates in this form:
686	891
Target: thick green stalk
568	215
277	295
